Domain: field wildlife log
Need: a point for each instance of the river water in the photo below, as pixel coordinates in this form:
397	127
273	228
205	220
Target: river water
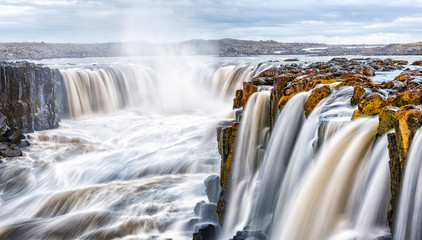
131	160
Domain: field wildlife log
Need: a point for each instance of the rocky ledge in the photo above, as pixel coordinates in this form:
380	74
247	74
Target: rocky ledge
31	97
396	102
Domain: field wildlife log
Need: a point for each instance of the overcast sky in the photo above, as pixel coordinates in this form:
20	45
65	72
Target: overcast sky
329	21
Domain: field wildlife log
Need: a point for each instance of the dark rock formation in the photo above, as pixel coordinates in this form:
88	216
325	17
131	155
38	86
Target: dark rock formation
226	137
30	96
206	232
30	99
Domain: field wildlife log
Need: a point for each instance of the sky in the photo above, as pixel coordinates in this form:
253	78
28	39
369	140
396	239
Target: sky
321	21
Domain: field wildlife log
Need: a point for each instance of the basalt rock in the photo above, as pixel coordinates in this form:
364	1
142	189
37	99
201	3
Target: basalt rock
248	89
358	92
206	232
354	80
386	120
29	96
407	120
226	137
371	104
317	95
238	100
417	63
11	139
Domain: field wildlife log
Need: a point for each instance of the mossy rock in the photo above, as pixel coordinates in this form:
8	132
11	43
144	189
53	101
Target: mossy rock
283	100
369	105
313	99
408	119
313	83
386	119
354	80
238	99
248	89
358	92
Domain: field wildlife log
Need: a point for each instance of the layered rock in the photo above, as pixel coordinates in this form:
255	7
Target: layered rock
226	137
31	97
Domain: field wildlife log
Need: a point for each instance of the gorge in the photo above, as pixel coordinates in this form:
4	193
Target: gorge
319	148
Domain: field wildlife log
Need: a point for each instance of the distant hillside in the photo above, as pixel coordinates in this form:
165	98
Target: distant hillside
222	47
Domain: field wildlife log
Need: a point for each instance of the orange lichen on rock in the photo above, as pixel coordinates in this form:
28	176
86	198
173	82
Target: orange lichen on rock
315	97
371	104
354	80
313	83
248	89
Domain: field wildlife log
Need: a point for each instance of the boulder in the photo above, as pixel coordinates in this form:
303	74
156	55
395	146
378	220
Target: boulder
370	104
417	63
206	232
358	92
316	96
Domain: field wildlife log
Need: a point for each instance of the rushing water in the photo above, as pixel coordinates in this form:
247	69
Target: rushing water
131	160
409	219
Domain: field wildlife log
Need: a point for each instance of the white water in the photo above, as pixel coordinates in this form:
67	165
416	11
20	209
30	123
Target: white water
409	219
275	162
135	173
250	145
132	163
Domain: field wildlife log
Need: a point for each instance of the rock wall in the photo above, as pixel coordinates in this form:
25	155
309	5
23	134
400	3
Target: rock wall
30	96
395	102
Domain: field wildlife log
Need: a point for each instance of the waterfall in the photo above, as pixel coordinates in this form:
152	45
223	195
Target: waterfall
106	90
248	154
409	219
321	197
227	79
281	144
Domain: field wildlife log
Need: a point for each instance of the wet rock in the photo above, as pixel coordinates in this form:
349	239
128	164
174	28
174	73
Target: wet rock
386	237
386	120
358	92
409	75
246	234
317	95
238	100
30	96
283	101
407	120
417	63
10	150
206	232
314	82
13	135
248	89
226	137
291	60
370	104
354	80
293	88
212	188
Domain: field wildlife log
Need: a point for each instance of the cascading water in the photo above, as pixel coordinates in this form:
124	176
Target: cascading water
321	197
409	219
276	159
249	151
106	90
132	173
